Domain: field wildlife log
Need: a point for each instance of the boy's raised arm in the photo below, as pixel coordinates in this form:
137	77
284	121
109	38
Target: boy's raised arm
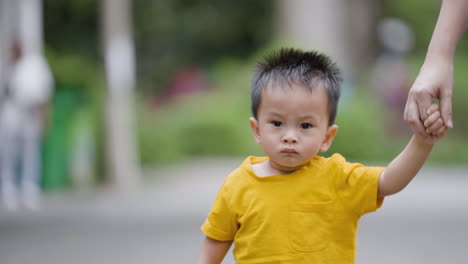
213	251
406	165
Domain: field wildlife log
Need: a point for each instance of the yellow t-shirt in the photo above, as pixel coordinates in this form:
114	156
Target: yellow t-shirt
308	216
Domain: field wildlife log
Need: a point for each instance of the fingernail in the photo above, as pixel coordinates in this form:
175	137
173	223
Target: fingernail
450	124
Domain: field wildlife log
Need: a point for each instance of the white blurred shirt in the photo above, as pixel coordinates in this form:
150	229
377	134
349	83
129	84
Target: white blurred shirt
31	81
30	86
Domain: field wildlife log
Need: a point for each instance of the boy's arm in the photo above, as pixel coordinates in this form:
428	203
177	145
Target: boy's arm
404	167
213	251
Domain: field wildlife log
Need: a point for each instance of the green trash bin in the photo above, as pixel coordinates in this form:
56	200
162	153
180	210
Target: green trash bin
56	143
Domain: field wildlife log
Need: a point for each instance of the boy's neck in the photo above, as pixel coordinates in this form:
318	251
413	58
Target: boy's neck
270	168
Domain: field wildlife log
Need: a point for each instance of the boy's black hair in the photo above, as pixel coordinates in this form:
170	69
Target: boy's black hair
293	66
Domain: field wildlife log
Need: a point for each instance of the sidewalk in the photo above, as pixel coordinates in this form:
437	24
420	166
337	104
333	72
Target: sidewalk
427	223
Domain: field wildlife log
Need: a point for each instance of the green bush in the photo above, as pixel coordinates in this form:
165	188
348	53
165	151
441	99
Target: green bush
359	135
203	125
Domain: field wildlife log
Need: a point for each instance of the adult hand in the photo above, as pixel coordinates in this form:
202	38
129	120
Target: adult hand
434	81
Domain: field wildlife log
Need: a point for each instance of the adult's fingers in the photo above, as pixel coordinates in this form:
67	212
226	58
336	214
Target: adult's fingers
413	119
424	101
446	107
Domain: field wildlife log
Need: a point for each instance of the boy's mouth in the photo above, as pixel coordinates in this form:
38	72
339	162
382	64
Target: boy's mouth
289	151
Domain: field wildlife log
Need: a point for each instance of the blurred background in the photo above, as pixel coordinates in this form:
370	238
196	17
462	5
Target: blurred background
120	119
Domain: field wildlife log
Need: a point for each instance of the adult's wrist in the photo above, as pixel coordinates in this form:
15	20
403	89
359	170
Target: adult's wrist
439	59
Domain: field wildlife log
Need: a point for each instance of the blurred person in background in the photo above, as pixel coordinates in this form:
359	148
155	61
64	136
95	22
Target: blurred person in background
435	79
391	73
22	120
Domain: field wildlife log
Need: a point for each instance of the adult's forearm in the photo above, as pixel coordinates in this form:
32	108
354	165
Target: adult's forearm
452	22
404	167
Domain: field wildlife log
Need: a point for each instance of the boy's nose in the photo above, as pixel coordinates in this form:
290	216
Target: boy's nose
289	138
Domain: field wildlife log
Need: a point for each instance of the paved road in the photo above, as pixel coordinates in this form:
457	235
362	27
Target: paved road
427	223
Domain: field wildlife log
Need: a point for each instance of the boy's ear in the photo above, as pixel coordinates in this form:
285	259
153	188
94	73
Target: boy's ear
255	130
329	136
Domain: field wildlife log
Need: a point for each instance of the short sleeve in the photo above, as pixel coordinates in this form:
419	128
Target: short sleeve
357	186
221	223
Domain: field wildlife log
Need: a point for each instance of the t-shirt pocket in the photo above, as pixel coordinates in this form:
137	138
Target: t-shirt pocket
309	226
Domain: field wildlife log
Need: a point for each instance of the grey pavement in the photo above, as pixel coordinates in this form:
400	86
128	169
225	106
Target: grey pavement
426	223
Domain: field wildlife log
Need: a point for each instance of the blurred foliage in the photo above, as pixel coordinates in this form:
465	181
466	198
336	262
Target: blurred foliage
209	123
169	35
72	27
174	34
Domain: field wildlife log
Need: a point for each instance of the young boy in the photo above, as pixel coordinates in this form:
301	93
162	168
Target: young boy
295	206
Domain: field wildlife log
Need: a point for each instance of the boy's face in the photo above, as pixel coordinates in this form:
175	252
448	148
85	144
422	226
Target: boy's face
292	125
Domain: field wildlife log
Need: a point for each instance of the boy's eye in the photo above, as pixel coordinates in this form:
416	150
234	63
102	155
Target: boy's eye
306	125
277	123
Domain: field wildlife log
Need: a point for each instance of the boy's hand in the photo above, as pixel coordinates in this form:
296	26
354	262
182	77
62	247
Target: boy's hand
434	125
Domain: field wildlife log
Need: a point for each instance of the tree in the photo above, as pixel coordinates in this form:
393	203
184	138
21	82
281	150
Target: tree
120	72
